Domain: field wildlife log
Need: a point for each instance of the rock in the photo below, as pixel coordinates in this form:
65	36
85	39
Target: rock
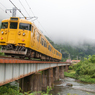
69	84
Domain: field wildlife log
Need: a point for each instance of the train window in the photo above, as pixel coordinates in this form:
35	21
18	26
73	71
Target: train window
25	26
42	41
33	32
4	25
46	44
49	48
30	27
13	25
38	37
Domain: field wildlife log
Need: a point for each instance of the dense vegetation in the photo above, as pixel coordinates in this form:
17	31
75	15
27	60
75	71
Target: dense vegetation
84	70
9	89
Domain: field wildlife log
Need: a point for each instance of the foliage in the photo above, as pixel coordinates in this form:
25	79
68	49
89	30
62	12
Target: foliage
9	90
84	70
70	74
13	90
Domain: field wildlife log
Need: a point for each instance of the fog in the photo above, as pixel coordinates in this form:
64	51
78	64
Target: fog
63	21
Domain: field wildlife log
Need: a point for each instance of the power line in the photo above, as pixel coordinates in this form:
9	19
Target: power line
17	8
34	15
24	8
2	5
3	10
29	7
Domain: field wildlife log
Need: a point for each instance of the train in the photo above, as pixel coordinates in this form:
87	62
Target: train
20	37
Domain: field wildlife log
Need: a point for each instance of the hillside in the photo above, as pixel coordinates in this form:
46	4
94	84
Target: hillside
74	52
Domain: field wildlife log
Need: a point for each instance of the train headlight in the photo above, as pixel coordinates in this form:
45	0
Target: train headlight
2	32
23	34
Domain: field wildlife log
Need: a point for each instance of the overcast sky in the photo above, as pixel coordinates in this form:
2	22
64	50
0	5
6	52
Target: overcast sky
61	20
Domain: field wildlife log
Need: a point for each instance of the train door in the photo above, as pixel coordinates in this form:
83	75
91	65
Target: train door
12	32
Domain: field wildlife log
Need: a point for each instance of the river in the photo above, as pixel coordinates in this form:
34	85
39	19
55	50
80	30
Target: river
78	88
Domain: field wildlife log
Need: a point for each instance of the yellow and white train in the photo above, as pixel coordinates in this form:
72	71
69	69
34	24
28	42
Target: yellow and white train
20	37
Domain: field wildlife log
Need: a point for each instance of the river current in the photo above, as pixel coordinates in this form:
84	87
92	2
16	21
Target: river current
78	88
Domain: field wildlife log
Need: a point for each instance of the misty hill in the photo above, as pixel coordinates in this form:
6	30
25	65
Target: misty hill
78	51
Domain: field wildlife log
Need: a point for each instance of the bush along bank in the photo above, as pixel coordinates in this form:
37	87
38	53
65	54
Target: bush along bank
9	89
84	70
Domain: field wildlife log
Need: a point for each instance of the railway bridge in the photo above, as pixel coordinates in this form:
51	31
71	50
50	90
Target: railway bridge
31	75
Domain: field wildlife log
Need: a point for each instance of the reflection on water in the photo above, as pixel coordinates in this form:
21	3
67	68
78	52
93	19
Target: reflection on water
77	88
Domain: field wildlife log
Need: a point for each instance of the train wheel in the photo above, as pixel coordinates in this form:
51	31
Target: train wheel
29	54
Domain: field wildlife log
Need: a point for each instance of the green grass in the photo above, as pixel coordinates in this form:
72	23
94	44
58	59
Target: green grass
70	73
82	78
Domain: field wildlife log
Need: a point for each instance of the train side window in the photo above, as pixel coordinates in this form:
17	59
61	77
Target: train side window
45	44
49	48
33	32
42	41
38	37
30	27
24	26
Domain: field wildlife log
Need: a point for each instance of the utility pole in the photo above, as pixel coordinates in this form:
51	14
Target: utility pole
13	11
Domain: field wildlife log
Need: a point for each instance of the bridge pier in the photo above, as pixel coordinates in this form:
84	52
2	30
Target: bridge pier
61	72
56	73
31	83
37	82
66	68
44	80
49	73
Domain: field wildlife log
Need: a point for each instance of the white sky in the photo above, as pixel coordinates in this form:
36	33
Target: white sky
61	20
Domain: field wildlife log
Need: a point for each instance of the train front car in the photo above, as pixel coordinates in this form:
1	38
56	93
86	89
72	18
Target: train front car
14	36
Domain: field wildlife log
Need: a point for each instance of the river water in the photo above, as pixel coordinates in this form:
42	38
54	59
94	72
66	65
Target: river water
78	88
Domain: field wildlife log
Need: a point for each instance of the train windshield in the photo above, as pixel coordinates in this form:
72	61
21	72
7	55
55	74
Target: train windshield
25	26
4	25
13	25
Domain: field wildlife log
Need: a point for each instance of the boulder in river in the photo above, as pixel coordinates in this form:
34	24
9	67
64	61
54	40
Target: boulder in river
69	84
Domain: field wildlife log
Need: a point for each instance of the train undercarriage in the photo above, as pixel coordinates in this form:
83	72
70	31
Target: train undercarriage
23	52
